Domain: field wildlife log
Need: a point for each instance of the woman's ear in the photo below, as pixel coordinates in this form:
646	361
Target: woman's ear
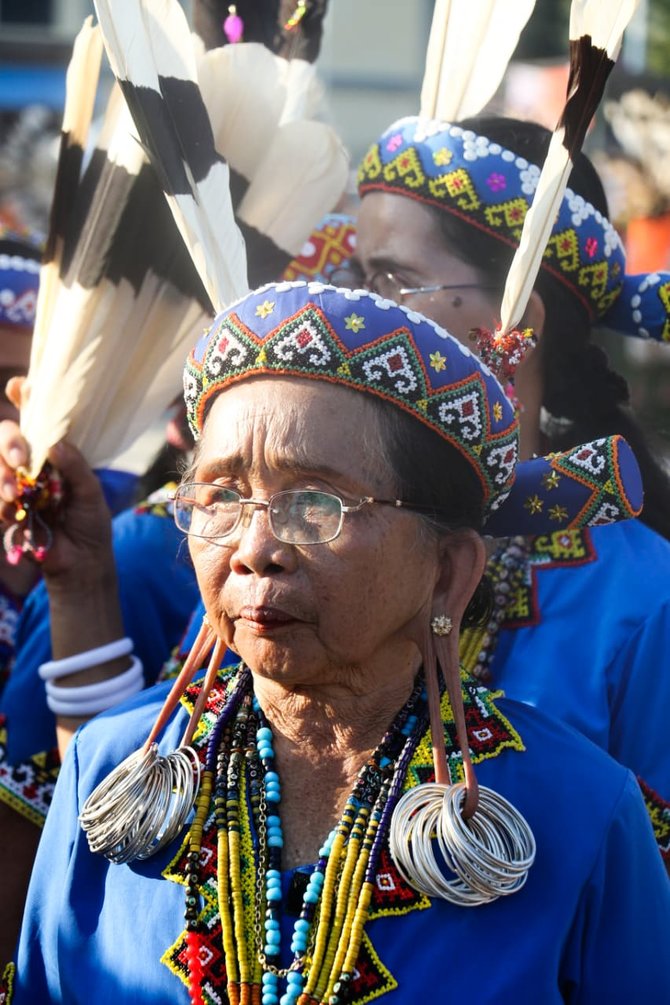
463	560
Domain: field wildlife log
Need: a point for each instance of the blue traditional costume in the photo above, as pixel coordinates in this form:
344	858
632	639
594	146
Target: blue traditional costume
587	919
578	640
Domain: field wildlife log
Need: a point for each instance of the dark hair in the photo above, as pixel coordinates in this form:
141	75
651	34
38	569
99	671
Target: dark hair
429	471
579	383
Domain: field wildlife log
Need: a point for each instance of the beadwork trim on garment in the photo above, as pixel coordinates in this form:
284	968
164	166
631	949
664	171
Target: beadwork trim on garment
360	340
490	734
492	188
28	787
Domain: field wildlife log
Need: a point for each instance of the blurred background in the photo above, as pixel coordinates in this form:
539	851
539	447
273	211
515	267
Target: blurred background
371	63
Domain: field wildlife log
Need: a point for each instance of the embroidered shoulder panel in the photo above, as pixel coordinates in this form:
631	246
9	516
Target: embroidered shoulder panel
548	551
29	785
490	733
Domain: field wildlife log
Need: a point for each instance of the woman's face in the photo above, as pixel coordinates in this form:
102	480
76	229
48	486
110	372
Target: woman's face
330	613
398	235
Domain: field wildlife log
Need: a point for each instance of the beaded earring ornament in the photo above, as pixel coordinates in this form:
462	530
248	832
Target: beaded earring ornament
233	26
143	804
297	16
482	838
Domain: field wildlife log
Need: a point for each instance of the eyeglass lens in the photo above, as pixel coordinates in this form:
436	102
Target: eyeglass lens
296	517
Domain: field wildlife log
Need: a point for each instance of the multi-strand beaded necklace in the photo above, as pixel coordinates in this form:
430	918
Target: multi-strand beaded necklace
506	570
240	775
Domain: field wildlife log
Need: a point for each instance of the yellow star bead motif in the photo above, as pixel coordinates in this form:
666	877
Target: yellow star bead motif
438	361
442	157
558	513
354	323
497	411
265	308
551	480
534	504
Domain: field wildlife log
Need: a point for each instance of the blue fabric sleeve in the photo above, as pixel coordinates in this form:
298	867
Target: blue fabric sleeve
38	976
157	591
619	946
639	690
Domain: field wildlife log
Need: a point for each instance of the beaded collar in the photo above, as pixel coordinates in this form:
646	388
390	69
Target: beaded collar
388	894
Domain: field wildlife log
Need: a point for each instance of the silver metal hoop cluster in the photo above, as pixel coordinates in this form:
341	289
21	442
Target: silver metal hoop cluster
489	854
141	805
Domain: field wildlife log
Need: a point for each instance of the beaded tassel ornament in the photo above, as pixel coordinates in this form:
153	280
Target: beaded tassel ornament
240	773
143	804
37	503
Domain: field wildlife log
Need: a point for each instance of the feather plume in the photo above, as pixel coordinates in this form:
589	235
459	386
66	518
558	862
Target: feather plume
150	50
126	304
596	32
286	169
470	45
80	90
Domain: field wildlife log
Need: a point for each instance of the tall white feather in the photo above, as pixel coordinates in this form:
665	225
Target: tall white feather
81	84
603	22
470	45
261	108
147	40
112	358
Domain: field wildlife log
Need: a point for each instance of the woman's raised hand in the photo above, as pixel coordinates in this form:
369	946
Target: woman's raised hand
81	530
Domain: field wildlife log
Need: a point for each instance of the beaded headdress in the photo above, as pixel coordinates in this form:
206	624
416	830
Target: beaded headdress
19	281
328	247
492	188
364	342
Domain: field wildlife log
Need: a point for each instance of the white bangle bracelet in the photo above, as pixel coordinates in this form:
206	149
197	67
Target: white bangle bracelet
84	661
100	688
93	698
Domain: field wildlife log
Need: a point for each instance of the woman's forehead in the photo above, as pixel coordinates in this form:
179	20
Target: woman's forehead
293	424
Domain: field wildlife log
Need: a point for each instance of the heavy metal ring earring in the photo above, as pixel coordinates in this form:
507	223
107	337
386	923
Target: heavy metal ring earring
144	802
484	842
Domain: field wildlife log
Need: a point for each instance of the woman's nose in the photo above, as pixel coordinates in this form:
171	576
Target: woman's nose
256	549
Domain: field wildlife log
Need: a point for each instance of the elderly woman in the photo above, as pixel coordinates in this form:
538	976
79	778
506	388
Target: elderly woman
349	451
440	218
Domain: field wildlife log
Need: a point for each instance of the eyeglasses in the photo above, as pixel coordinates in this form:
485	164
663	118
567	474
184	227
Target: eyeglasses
391	287
296	517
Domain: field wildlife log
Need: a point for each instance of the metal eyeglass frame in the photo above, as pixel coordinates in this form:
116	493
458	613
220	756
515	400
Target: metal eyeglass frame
267	504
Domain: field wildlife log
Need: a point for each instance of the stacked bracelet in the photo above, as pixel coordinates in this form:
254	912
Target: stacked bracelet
84	661
89	699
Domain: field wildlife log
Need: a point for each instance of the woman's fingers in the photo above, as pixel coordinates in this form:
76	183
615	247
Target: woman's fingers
13	454
17	391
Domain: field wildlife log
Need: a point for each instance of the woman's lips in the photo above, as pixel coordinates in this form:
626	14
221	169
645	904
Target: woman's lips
266	619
